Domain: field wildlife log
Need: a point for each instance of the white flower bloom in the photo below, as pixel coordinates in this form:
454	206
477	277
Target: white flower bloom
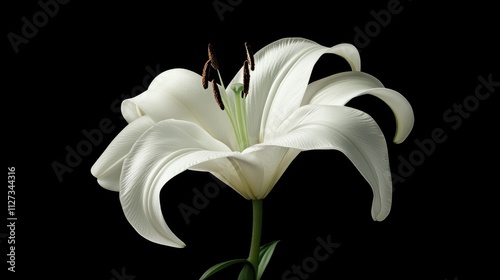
176	125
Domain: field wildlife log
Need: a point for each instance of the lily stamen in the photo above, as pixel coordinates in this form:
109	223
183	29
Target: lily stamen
212	58
250	57
205	76
235	107
217	95
246	79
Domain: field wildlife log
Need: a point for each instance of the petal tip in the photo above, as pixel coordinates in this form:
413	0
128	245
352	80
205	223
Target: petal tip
180	245
382	214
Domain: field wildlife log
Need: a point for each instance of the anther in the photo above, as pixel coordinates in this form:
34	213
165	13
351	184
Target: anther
205	75
212	58
246	79
217	96
250	57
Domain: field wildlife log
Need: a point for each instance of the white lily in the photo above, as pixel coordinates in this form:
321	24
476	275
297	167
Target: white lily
176	125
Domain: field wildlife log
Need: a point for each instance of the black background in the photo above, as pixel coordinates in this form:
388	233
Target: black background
89	55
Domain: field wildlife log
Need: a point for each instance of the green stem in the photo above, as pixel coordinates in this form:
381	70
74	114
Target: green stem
256	234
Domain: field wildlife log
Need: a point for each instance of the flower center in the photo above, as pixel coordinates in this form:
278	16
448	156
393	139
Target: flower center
234	105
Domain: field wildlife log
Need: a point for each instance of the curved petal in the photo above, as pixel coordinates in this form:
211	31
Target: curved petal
252	173
340	88
350	131
165	150
107	168
178	94
282	72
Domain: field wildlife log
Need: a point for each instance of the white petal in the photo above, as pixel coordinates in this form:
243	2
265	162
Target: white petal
350	131
165	150
282	72
107	168
178	94
252	173
340	88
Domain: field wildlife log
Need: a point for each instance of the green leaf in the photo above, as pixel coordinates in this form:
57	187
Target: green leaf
218	267
265	255
248	272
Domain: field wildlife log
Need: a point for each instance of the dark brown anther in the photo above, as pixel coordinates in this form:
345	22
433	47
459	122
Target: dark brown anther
205	75
246	79
212	58
217	96
250	57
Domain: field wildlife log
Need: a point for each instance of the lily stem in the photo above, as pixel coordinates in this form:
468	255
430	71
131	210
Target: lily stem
256	234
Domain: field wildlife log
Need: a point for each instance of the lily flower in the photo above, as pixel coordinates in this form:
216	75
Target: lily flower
250	132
